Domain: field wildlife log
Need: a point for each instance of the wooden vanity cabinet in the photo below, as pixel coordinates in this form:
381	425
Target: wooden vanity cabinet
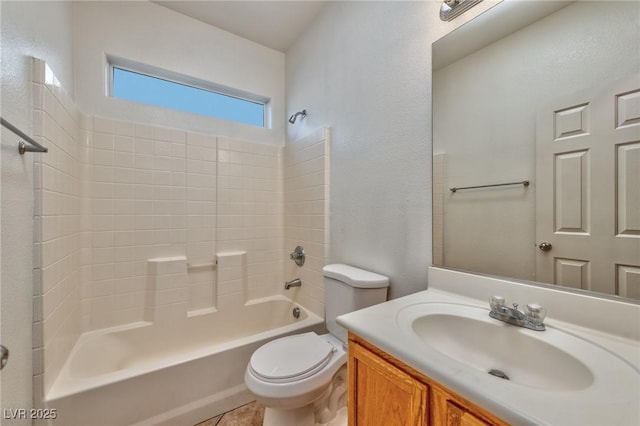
383	391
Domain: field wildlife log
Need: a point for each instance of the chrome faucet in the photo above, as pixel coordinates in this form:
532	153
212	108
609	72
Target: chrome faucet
532	319
296	282
298	256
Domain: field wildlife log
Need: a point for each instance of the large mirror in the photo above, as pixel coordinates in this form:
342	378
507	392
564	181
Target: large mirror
536	107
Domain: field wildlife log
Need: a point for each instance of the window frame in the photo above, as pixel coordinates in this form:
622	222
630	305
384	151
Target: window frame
184	80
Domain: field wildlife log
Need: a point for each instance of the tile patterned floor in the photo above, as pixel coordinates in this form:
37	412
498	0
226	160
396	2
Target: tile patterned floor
250	414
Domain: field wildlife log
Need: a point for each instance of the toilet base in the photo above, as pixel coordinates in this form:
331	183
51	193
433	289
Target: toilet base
329	409
302	416
276	418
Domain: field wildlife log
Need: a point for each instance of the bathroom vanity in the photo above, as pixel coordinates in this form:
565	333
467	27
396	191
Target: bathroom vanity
384	390
436	357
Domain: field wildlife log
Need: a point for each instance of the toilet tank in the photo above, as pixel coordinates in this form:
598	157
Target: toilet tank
348	289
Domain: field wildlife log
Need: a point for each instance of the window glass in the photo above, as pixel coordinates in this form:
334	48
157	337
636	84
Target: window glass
151	90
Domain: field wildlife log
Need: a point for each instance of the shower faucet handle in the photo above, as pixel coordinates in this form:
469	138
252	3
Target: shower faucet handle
298	256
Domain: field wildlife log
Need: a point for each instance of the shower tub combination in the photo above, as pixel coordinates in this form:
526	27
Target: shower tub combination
178	373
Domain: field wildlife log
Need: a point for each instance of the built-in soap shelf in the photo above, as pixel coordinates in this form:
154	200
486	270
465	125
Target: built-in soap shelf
193	266
178	289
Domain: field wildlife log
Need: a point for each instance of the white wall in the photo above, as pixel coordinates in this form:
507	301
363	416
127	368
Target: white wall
43	30
153	35
364	69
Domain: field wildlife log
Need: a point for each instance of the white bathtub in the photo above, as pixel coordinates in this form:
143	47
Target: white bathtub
175	374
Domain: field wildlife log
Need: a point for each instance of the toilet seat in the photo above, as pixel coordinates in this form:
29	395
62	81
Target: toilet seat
291	358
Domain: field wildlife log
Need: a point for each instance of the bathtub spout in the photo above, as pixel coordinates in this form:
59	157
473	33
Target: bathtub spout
296	282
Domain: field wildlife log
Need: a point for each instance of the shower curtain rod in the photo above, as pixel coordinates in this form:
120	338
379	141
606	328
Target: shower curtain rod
22	147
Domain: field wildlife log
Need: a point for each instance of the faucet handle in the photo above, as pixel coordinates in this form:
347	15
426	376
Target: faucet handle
535	312
298	256
496	302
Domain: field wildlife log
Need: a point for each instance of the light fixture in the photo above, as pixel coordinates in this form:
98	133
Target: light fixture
452	8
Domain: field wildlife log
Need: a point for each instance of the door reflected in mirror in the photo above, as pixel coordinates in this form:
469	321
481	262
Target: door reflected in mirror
549	93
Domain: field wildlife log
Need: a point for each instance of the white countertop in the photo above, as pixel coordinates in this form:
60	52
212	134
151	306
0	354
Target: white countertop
612	399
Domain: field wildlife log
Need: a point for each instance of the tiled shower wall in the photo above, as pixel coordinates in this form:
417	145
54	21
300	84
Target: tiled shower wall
439	179
163	193
306	195
111	195
59	226
153	195
250	212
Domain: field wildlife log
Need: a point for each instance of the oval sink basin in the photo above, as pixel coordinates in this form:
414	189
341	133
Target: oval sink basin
467	335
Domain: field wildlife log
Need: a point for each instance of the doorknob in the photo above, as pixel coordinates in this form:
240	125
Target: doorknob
544	246
4	356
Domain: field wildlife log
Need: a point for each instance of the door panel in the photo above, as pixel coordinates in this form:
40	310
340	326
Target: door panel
588	189
628	278
572	192
572	273
628	202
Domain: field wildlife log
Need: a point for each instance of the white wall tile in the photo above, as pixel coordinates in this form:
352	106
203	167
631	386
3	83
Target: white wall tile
58	224
124	143
165	192
305	201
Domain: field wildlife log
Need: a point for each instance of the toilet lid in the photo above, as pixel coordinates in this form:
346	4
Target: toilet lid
291	358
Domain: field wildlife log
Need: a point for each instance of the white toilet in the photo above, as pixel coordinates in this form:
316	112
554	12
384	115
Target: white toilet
301	379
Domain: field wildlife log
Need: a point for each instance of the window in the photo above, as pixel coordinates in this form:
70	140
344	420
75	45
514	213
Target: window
170	90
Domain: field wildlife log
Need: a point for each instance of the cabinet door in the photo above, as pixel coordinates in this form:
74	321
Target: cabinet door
449	413
382	395
456	416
